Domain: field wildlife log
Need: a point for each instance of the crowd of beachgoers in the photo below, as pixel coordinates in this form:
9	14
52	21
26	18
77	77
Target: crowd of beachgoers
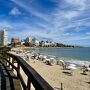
56	71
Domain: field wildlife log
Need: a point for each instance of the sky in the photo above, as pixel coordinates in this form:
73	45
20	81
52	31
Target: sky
64	21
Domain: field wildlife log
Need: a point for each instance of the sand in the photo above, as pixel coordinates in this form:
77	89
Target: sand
54	76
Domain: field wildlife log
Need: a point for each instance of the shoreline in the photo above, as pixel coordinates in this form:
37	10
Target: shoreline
56	47
67	60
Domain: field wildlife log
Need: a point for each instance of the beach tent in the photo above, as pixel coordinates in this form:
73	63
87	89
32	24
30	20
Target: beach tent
47	61
52	61
72	68
88	69
72	65
61	61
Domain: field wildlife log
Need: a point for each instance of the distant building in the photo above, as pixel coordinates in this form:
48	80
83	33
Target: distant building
36	42
26	42
33	41
3	37
15	41
47	44
41	43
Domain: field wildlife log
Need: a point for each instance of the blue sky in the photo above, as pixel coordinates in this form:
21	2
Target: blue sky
65	21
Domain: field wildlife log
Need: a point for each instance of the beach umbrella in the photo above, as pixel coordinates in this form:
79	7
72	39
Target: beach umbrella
72	65
47	59
40	55
52	61
72	68
88	69
44	57
52	58
61	61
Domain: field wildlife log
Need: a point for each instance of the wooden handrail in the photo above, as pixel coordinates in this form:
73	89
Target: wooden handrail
33	77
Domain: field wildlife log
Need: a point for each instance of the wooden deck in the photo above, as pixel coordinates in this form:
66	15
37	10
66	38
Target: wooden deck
8	80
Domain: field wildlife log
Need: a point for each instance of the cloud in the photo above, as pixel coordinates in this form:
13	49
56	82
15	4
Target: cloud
30	9
88	33
71	14
15	11
5	24
67	34
80	4
70	17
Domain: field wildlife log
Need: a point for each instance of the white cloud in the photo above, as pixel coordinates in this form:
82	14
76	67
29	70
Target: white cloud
67	34
15	11
5	24
71	14
80	4
88	33
30	9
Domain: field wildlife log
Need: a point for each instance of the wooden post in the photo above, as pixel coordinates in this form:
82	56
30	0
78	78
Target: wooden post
61	86
12	63
18	68
28	84
9	61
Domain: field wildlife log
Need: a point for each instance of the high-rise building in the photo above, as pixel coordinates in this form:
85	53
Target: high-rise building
3	37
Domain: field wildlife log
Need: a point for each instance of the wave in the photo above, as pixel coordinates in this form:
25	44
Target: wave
76	61
66	59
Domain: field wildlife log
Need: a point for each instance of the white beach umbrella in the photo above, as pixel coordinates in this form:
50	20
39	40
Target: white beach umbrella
44	57
61	61
72	65
52	61
72	68
47	59
88	69
52	58
40	56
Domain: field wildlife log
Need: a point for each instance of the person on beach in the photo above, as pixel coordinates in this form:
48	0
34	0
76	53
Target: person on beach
27	57
84	69
63	65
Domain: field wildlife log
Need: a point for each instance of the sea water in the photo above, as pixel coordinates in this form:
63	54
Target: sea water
80	56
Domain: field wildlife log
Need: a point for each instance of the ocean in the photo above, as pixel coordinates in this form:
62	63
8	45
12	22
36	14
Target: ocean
80	56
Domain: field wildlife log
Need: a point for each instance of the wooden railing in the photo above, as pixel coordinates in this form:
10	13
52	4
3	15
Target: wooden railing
32	76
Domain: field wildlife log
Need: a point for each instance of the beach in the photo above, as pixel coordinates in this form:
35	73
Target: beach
55	75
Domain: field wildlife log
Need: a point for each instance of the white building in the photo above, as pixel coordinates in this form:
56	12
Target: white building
36	42
47	44
3	37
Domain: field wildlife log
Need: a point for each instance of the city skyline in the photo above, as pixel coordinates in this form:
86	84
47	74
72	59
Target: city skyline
65	21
